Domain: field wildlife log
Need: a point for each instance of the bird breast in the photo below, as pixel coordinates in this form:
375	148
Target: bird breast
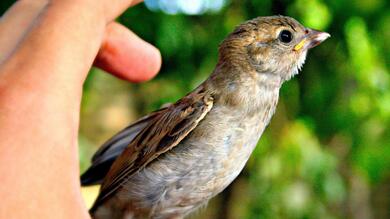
224	142
202	165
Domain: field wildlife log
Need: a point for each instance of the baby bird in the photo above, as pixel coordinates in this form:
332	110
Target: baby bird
172	161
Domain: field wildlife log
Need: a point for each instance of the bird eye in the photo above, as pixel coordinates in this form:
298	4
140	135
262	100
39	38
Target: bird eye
285	36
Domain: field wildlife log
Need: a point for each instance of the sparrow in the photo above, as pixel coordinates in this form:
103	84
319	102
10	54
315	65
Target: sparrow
172	161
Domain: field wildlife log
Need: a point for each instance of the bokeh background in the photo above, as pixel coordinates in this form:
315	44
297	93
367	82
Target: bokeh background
326	153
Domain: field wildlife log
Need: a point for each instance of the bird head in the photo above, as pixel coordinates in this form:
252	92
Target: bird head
275	45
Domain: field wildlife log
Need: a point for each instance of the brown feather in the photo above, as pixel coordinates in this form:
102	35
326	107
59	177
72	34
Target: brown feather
166	128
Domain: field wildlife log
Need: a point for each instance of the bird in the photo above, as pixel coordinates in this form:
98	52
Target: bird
171	162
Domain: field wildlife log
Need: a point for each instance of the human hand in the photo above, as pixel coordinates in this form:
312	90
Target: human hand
47	48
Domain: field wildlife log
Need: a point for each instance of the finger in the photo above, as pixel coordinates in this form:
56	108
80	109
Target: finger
135	2
127	56
16	22
114	10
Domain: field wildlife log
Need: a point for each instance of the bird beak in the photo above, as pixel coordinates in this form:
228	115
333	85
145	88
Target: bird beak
311	39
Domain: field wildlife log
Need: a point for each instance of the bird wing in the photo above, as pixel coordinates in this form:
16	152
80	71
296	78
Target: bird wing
110	150
163	131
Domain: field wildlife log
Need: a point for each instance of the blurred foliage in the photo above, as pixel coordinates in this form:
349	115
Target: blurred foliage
326	153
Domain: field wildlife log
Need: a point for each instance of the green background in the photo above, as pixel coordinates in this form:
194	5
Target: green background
326	153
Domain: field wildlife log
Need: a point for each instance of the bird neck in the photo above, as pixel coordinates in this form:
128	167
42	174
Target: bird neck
244	88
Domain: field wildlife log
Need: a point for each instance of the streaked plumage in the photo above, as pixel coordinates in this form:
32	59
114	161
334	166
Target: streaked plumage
174	160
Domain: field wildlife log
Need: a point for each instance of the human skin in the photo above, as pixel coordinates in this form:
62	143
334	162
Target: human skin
47	48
